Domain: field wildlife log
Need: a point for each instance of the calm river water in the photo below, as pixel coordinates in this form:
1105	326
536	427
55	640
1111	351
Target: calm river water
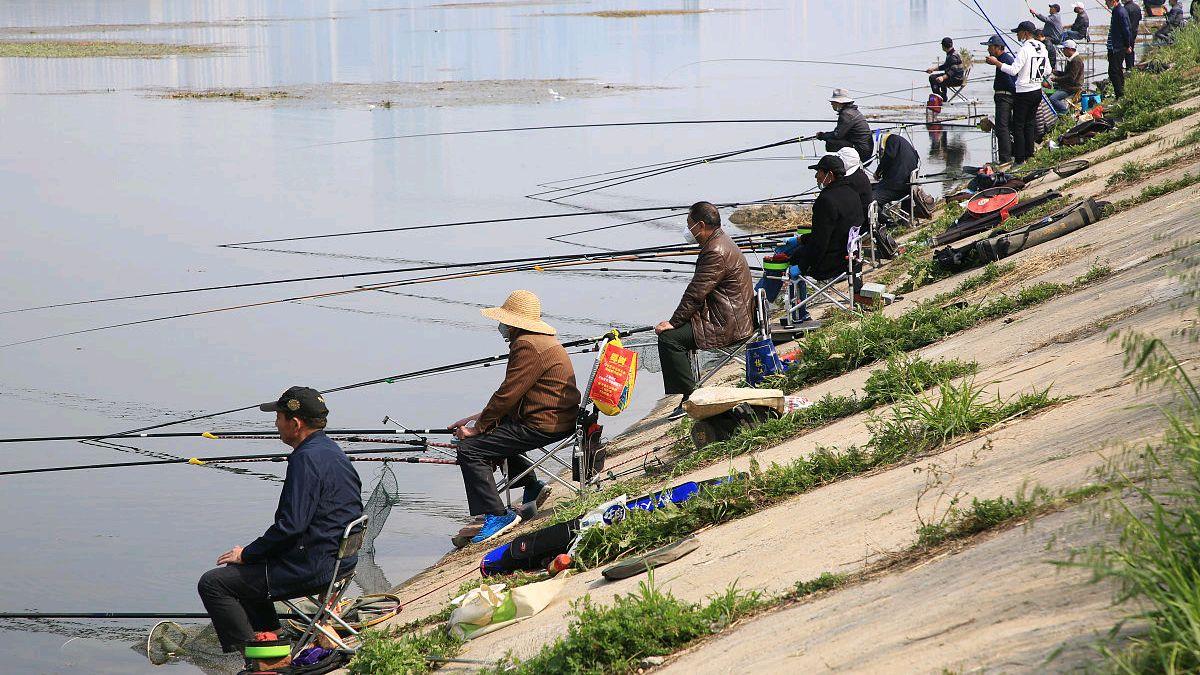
108	188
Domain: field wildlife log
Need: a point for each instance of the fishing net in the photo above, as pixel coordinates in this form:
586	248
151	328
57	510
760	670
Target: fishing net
197	644
379	505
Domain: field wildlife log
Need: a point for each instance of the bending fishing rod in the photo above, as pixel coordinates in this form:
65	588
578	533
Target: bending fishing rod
195	461
650	173
357	385
222	435
912	44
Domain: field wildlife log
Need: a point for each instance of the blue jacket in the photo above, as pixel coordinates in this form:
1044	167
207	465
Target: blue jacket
1120	37
1004	81
321	495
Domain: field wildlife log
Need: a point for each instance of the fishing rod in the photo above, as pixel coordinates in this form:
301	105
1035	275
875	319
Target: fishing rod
195	461
596	125
642	173
804	61
461	223
119	615
398	270
366	383
224	435
331	294
912	44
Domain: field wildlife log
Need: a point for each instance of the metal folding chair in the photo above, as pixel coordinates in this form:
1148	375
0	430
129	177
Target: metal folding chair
822	291
327	601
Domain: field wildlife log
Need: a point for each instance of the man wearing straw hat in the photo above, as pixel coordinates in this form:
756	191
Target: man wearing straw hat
536	405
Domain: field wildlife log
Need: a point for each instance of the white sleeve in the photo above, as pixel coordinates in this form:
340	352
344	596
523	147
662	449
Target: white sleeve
1018	63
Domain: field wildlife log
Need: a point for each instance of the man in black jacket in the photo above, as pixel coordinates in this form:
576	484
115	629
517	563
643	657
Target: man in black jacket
950	74
322	494
897	160
822	252
852	130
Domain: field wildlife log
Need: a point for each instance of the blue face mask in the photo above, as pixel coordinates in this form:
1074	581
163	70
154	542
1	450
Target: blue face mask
505	331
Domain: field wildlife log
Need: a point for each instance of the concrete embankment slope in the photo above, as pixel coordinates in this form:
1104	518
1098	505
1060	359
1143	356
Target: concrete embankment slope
994	601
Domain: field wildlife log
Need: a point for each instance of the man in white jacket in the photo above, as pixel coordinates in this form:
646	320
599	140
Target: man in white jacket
1030	67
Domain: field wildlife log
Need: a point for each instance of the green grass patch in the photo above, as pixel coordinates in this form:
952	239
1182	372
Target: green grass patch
986	514
392	651
1151	192
1156	559
991	272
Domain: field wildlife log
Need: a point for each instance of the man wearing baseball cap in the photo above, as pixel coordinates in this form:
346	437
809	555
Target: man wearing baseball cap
1069	82
1052	24
1120	43
1030	66
1004	89
1079	28
321	496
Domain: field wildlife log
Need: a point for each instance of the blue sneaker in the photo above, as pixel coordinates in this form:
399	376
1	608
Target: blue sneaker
494	526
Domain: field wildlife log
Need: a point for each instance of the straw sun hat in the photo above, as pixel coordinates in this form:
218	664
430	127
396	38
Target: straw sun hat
521	310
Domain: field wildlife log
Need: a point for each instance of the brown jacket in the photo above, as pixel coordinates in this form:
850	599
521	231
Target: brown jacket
718	299
539	387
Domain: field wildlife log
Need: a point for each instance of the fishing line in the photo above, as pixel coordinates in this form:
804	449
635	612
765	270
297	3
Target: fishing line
118	615
121	447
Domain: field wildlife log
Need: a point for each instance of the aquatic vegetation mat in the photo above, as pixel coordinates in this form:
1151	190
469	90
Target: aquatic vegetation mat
79	49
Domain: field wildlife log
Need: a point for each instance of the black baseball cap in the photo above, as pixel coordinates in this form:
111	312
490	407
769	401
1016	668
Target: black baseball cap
994	41
303	402
947	42
830	162
1025	26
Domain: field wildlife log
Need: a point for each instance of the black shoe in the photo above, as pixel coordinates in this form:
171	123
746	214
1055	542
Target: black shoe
677	413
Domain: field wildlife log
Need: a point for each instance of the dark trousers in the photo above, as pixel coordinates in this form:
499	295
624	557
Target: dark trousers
477	454
1116	73
1003	129
1129	55
673	348
235	597
942	88
1024	123
887	195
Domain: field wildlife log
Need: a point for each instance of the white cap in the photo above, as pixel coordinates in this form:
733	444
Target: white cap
1078	5
841	96
850	159
1070	44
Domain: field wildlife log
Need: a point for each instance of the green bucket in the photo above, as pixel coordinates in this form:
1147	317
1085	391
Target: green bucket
268	649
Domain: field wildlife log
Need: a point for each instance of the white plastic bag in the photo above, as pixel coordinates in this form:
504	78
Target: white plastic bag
479	607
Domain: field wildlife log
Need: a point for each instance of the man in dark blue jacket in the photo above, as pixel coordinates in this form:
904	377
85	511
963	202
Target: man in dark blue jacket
1135	20
897	160
321	495
821	253
1120	43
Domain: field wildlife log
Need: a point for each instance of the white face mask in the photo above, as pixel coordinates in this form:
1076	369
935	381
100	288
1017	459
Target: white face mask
505	331
689	236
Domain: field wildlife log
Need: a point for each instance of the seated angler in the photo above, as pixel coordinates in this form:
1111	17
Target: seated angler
950	74
1079	28
821	253
856	175
537	404
321	496
852	130
897	160
1068	83
716	309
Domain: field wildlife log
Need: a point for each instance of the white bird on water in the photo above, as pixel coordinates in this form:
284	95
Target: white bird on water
556	95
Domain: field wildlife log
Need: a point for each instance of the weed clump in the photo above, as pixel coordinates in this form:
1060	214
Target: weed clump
649	622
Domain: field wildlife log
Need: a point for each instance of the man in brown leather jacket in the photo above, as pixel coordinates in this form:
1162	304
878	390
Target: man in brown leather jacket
716	308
